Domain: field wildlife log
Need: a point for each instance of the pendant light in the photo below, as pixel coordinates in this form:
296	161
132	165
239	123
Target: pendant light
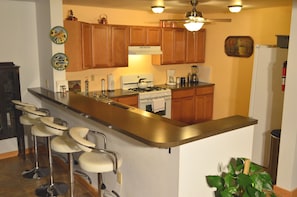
158	9
193	26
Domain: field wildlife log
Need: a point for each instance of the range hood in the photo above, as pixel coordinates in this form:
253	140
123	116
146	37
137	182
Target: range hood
144	50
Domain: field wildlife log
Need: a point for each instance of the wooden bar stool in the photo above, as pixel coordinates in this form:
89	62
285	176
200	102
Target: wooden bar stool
95	159
50	127
29	119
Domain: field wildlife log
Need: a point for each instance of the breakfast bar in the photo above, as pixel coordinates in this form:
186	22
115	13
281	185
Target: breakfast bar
161	157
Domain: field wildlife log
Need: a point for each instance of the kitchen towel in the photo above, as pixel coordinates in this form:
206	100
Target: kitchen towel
158	105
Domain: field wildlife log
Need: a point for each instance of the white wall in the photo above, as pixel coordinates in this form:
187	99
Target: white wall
19	45
287	172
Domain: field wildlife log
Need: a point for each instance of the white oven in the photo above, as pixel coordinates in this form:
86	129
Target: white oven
152	99
157	102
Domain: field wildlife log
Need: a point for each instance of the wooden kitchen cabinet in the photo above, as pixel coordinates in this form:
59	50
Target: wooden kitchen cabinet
78	47
145	36
128	100
110	45
182	105
195	46
204	103
192	105
101	42
119	45
173	47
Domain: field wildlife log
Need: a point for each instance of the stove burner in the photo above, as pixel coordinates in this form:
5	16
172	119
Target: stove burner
148	89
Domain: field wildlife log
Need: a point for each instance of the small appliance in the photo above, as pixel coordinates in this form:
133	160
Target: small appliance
170	77
194	76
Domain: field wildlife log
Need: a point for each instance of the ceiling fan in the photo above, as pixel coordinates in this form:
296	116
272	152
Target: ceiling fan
194	20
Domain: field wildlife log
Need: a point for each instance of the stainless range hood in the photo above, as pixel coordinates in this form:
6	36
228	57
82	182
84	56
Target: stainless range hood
144	50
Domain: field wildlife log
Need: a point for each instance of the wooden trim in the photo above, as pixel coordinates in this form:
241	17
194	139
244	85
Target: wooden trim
280	192
13	154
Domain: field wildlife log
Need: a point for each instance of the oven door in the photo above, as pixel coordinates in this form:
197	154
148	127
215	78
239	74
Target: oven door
147	105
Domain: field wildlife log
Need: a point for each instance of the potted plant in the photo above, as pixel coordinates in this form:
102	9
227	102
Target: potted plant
242	179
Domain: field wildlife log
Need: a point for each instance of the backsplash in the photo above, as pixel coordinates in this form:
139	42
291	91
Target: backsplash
138	64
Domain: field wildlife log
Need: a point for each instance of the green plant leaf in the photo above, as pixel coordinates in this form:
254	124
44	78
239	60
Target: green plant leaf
255	168
262	181
244	181
215	181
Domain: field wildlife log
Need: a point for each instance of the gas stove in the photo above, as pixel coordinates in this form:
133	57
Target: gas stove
154	99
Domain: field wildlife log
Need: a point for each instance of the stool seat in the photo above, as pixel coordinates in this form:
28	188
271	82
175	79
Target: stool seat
34	113
64	144
97	162
39	130
20	105
25	120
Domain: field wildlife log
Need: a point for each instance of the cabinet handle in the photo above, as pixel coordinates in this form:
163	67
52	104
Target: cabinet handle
8	119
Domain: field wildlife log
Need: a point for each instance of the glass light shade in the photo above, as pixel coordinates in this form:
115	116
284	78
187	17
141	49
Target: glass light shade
158	9
193	26
235	8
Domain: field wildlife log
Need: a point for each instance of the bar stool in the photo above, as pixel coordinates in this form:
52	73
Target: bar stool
50	127
29	120
62	143
94	159
34	114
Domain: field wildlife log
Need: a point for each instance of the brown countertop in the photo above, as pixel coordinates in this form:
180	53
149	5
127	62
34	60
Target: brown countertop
144	126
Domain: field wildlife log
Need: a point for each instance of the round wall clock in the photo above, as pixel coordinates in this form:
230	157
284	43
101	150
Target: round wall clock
59	61
58	35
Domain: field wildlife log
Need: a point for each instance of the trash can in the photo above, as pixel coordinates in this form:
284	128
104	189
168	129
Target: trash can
274	149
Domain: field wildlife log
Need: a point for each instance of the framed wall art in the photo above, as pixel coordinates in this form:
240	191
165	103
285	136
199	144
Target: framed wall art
239	46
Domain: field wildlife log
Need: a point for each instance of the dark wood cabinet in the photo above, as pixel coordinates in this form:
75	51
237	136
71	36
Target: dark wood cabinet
9	117
195	46
128	100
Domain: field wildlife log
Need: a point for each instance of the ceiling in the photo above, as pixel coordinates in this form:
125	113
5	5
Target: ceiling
179	6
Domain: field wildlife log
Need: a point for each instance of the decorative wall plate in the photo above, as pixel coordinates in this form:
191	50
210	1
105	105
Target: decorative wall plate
239	46
59	61
58	35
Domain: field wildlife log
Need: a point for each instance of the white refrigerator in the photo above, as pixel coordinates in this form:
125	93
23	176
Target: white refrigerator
266	100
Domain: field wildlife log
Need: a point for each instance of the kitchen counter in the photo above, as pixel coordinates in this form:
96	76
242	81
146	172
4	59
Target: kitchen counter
150	129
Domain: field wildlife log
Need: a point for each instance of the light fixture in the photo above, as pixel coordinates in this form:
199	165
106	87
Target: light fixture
193	26
158	9
235	8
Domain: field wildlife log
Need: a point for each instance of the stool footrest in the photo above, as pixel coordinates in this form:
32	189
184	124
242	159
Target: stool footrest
48	190
35	173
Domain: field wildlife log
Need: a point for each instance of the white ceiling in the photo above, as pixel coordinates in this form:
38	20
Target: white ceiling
180	6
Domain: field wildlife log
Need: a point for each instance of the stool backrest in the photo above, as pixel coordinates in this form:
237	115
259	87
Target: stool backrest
79	135
53	127
34	113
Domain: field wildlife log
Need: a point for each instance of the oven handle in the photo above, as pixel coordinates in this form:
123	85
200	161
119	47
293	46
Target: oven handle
150	99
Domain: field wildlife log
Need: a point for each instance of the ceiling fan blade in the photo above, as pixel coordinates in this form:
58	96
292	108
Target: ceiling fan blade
218	20
174	20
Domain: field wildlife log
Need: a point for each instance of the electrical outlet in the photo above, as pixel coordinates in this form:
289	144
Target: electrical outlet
92	77
119	177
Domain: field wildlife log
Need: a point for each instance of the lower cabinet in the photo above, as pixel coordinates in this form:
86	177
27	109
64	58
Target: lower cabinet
192	105
128	100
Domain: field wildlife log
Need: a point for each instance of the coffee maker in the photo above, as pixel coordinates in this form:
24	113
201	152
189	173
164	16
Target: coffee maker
170	77
194	75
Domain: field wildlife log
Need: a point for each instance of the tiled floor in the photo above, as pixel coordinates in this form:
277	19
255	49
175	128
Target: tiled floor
12	184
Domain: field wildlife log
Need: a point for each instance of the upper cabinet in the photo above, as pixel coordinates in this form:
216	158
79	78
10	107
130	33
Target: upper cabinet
195	46
106	46
181	46
145	36
78	46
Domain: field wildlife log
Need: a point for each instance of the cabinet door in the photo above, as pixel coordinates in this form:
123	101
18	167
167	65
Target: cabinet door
119	45
179	44
73	46
153	36
167	46
204	104
137	36
128	100
182	105
101	50
86	30
195	46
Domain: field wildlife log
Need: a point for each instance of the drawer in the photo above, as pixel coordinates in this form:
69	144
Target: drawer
204	90
183	93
